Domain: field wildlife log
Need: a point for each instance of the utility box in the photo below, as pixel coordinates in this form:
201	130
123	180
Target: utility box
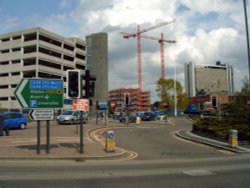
110	141
233	138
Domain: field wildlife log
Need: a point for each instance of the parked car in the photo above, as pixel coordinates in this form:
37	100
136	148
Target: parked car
132	119
161	115
85	117
148	116
139	114
207	114
13	120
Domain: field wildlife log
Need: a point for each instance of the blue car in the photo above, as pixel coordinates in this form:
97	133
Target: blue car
149	116
13	120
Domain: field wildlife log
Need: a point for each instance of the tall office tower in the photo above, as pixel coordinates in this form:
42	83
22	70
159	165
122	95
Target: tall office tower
97	62
208	79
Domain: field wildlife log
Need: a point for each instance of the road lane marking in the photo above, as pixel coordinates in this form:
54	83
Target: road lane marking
199	172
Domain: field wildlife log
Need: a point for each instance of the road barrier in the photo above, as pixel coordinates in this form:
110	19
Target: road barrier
233	138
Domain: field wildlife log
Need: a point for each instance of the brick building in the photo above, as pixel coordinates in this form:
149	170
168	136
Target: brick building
140	101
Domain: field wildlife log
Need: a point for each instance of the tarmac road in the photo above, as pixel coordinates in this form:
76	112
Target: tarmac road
154	140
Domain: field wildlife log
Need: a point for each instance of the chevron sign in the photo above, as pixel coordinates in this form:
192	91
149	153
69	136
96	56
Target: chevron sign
40	93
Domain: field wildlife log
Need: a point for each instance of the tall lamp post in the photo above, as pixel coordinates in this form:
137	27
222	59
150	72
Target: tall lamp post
247	35
175	91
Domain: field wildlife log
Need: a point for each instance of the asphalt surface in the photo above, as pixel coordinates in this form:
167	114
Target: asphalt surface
231	171
64	142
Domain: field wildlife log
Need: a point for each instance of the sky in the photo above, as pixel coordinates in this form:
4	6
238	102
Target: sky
205	30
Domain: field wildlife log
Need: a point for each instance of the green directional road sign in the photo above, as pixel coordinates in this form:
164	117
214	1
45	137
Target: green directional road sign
40	93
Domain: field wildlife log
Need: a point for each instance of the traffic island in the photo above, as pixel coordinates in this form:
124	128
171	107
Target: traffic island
211	142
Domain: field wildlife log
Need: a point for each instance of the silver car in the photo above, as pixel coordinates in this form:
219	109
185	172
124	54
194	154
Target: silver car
69	117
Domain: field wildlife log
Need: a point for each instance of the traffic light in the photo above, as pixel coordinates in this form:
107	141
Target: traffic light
127	99
214	102
74	86
89	84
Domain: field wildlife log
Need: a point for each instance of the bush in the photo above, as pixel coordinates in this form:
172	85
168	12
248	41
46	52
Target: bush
220	128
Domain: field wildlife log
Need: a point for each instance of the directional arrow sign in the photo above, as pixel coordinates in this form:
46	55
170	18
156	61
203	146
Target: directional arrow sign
40	114
40	93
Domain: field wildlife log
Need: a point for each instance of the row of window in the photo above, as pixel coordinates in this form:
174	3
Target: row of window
33	36
32	61
32	49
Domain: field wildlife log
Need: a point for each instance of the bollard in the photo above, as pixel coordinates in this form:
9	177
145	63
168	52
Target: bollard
127	120
110	141
7	131
138	120
233	138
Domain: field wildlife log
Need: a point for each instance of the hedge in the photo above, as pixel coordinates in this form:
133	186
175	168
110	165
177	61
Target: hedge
220	128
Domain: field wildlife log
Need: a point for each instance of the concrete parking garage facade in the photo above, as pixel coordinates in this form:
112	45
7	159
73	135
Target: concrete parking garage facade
36	53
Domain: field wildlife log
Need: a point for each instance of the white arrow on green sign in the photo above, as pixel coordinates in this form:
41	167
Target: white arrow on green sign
40	93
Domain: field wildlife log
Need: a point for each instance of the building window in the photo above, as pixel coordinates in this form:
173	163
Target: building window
82	67
4	87
46	75
69	58
4	74
16	49
3	98
16	37
29	74
5	39
49	52
80	46
80	56
49	64
50	40
16	61
68	47
29	49
15	73
29	37
28	62
5	51
4	63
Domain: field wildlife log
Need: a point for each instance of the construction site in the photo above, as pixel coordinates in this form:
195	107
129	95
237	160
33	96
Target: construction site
140	100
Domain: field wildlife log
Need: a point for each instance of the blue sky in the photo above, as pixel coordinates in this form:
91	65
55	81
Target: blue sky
205	31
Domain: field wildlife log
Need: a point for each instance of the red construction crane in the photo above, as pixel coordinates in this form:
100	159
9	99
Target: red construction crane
161	40
138	35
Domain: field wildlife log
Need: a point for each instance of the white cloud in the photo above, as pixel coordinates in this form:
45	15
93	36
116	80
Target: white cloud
205	31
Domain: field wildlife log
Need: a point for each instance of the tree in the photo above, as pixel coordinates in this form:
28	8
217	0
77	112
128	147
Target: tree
237	109
166	92
245	90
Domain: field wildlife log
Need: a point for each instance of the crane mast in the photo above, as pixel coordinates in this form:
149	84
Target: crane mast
161	40
137	34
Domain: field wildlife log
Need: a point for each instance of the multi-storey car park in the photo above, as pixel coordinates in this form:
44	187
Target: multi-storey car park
36	53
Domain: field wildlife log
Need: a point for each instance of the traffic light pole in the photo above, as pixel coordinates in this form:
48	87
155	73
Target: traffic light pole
81	132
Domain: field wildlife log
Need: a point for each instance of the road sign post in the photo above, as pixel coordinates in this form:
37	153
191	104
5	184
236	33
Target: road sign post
40	93
41	114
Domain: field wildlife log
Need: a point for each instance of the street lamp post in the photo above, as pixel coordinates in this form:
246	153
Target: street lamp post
247	35
175	91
